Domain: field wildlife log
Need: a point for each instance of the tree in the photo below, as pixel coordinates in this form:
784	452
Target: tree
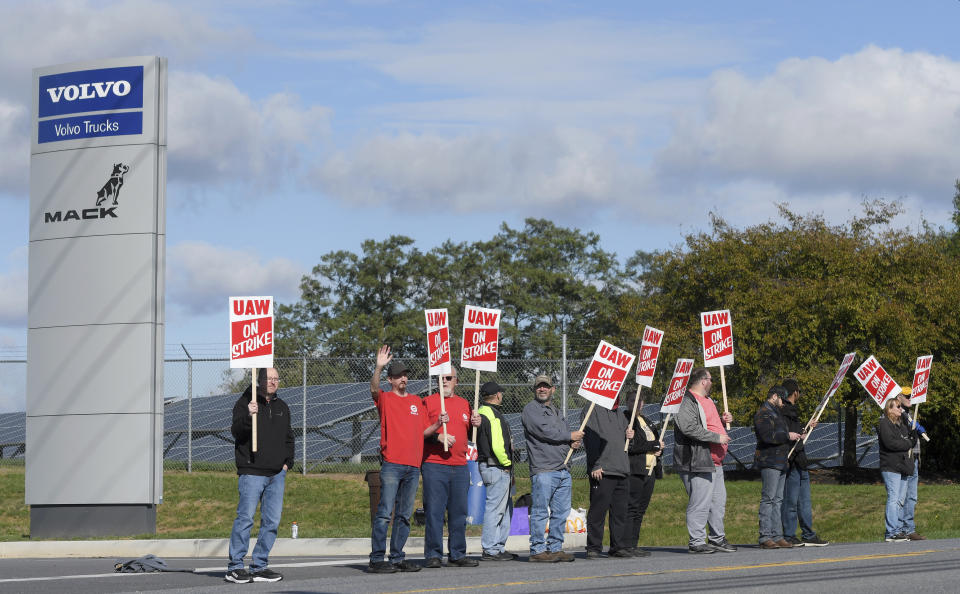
803	293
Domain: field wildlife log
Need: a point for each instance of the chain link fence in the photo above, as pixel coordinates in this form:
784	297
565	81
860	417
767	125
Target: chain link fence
336	424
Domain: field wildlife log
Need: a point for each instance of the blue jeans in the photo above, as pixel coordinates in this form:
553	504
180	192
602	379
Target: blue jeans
797	504
896	484
910	503
771	497
268	492
398	490
445	490
550	492
498	509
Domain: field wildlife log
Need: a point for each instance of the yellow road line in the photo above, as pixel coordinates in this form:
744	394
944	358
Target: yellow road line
899	555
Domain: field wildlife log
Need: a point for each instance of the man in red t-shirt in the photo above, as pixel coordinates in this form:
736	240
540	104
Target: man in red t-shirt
446	479
403	426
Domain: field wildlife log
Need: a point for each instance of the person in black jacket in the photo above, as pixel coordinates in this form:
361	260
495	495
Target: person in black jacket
896	466
609	468
797	504
261	475
645	450
773	443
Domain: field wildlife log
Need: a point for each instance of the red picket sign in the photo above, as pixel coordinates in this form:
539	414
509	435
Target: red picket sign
251	332
921	380
876	381
649	351
605	375
678	386
438	341
717	330
481	329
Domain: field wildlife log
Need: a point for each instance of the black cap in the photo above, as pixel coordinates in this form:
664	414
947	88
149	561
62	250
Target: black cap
490	388
397	368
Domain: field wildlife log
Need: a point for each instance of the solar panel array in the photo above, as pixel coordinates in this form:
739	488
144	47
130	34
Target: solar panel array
341	425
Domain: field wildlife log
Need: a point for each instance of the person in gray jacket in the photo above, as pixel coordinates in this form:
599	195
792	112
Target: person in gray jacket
548	440
609	469
700	444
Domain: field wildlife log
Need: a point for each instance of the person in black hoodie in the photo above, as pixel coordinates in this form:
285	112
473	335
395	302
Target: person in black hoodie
609	469
261	475
646	467
797	504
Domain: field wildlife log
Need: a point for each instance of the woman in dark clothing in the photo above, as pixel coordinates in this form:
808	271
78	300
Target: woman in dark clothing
644	451
896	441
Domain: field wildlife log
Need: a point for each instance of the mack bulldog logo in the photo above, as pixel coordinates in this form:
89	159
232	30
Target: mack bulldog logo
109	191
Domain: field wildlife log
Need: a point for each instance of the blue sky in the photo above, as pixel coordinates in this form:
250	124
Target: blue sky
299	128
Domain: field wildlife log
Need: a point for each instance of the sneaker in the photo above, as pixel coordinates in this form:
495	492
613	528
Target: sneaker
813	542
796	541
407	567
901	537
381	567
915	536
506	556
463	562
638	552
769	545
784	544
266	575
564	557
433	563
700	549
723	546
592	555
238	576
490	556
544	557
621	554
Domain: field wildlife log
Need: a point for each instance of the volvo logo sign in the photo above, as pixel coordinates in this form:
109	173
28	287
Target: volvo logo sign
112	98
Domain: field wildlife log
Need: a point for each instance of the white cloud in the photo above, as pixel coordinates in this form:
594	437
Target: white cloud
201	276
219	135
14	148
881	121
522	170
42	33
13	292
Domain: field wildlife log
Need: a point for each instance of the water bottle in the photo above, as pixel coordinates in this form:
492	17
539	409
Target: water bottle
294	529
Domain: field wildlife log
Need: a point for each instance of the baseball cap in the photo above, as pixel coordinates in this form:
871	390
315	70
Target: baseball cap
397	368
490	388
543	379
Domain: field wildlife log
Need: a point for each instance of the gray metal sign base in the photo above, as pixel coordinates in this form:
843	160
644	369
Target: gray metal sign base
85	521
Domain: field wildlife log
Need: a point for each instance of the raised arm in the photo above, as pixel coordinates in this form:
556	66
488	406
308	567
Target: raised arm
383	359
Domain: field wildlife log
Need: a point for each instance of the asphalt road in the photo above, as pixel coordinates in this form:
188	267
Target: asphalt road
927	566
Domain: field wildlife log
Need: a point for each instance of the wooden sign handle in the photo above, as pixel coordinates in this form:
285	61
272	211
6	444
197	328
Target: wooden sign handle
723	386
443	411
633	417
253	397
582	425
476	401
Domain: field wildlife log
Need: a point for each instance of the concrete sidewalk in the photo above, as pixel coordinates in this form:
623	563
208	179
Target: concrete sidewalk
217	547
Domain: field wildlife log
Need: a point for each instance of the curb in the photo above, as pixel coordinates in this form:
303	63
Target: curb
218	547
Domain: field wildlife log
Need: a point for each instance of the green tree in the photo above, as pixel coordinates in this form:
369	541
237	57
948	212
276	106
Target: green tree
802	293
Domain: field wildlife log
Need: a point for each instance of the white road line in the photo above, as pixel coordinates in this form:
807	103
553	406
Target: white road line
196	570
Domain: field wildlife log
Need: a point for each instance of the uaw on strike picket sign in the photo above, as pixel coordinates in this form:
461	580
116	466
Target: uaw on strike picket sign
649	351
921	380
601	385
678	386
438	341
717	328
481	330
876	381
251	332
